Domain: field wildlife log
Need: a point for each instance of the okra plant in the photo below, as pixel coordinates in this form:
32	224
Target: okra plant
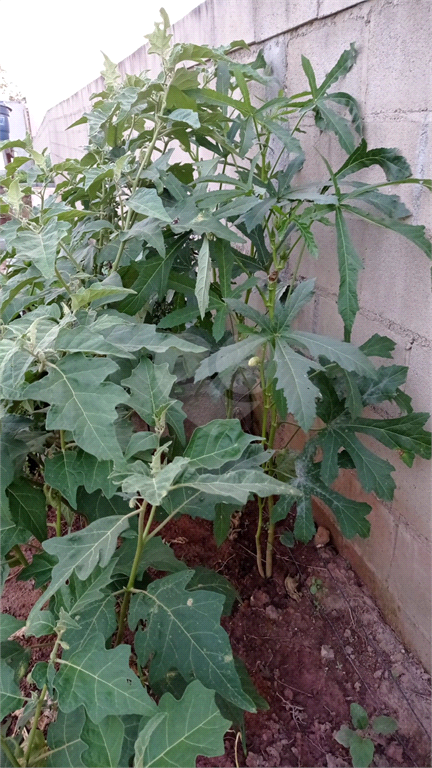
125	275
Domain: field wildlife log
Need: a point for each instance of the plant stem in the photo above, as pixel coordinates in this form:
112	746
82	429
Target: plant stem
258	536
142	538
40	704
62	440
20	555
58	517
10	756
270	540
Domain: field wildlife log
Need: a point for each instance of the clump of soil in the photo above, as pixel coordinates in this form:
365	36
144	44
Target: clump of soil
309	658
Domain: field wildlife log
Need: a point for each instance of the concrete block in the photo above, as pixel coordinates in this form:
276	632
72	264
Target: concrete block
400	57
327	7
217	22
274	18
410	578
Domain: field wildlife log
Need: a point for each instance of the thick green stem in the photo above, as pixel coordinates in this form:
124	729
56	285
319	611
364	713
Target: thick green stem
10	756
143	535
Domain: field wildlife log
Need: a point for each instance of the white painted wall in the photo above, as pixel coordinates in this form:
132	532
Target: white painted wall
392	81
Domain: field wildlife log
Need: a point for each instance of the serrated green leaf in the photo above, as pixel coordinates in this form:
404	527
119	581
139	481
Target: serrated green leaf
185	116
148	202
384	724
139	482
64	740
82	402
329	120
346	100
40	624
310	74
340	69
39	569
95	505
351	515
150	386
11	698
359	716
134	337
28	507
393	164
102	681
79	594
281	509
222	522
63	472
349	266
346	355
404	433
94	620
287	539
203	277
216	443
194	641
378	346
17	657
292	378
415	233
354	401
182	730
81	552
104	742
361	751
141	442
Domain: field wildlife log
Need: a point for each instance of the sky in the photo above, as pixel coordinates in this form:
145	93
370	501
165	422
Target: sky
52	48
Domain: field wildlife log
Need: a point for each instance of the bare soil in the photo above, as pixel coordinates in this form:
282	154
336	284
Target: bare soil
309	659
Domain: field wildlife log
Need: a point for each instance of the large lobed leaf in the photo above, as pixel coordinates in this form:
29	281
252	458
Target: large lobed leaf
183	631
182	730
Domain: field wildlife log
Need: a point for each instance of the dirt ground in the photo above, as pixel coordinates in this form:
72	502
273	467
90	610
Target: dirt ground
309	658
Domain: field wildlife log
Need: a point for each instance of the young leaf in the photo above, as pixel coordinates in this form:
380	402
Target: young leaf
304	526
153	488
82	402
329	120
150	386
359	716
217	443
292	376
361	751
198	646
81	552
349	266
148	202
340	69
384	724
100	292
102	681
378	346
182	730
203	277
344	736
236	485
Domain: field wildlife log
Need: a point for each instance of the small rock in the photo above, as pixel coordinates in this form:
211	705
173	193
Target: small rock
288	694
272	612
377	674
357	685
348	634
259	599
327	653
395	752
349	650
322	537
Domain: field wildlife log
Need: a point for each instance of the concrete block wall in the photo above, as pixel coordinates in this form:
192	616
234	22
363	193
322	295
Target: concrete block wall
392	81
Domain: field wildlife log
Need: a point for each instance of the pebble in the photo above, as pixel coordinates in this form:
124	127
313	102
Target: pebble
272	612
327	653
377	674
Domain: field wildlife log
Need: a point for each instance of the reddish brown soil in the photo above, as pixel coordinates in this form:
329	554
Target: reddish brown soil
310	659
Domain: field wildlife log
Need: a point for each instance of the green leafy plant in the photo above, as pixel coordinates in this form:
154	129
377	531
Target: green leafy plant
127	282
362	748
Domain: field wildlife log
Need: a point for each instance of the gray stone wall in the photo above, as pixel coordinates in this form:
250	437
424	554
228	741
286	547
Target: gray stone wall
392	81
